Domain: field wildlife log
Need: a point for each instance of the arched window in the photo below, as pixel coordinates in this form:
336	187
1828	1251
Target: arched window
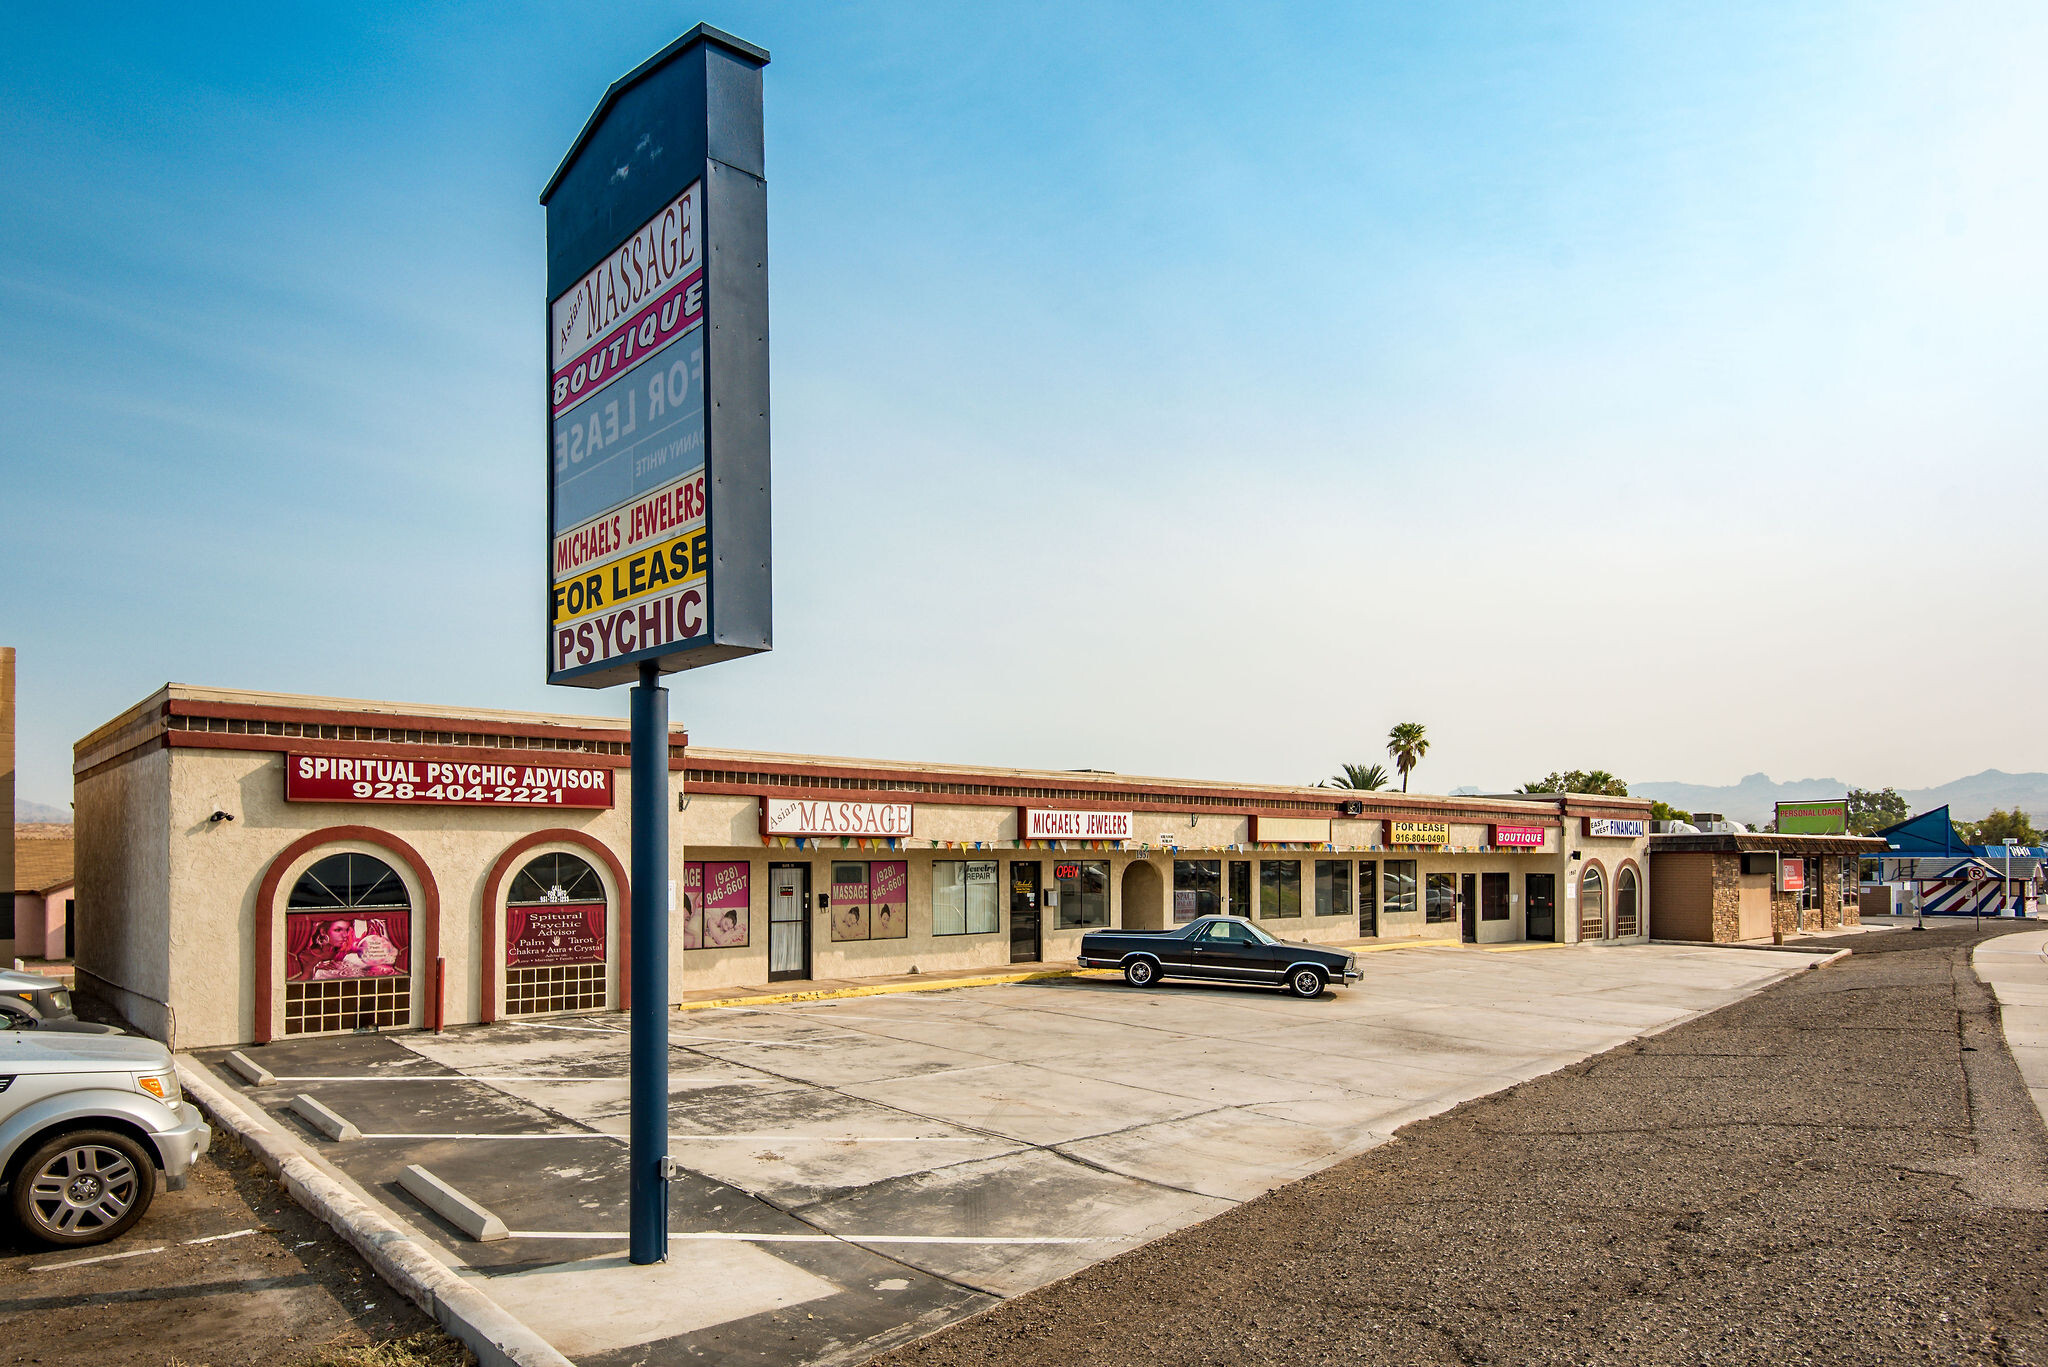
1625	914
556	910
348	947
1592	905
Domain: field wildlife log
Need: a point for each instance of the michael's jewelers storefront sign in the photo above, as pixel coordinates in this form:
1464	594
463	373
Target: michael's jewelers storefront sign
797	816
1047	823
1518	837
443	783
1617	828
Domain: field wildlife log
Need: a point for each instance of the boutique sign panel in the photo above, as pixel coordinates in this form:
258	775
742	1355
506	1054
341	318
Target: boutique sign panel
657	452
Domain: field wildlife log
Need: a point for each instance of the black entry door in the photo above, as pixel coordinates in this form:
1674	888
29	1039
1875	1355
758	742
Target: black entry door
1468	908
1024	914
789	921
1542	894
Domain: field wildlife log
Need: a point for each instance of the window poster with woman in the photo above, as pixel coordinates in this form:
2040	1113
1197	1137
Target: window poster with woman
324	945
716	902
889	900
849	901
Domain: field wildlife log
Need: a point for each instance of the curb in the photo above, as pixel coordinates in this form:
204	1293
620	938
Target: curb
890	989
485	1327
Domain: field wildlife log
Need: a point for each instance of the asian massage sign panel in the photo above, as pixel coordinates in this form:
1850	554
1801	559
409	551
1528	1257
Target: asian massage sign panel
869	820
406	781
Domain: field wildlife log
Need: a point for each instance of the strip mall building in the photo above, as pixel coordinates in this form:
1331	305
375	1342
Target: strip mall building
255	865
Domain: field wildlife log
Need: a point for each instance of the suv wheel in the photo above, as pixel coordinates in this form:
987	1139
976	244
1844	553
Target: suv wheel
83	1188
1305	982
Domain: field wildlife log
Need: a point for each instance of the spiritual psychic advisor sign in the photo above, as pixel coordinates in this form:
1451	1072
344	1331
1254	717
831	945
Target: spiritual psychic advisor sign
444	783
553	935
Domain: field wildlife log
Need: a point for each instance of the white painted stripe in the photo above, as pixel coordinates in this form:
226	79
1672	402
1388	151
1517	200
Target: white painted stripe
102	1258
714	1235
618	1135
220	1238
673	1082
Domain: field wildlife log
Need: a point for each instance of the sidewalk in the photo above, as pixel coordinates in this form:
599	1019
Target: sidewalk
2015	967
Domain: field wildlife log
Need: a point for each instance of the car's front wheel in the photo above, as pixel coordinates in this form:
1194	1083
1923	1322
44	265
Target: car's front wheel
1305	982
1141	972
85	1187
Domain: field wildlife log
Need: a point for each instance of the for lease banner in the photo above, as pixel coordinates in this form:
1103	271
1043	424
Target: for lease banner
1045	823
1418	833
448	783
795	816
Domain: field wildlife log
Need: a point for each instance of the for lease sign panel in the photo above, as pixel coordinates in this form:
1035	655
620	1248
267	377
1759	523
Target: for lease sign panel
1045	823
403	780
795	816
1418	833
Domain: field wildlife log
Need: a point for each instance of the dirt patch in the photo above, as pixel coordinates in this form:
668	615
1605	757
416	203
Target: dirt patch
287	1294
1844	1169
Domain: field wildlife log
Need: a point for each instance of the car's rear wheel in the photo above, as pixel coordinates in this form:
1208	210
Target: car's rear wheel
1305	982
1141	972
85	1187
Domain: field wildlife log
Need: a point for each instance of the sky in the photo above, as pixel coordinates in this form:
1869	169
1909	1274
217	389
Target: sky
1171	389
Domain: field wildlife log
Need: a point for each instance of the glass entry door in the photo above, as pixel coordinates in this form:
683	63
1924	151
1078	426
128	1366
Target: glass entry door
1468	908
789	921
1024	913
1542	916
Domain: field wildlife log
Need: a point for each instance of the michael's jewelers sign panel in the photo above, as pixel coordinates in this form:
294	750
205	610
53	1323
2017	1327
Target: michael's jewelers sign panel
794	816
444	783
1045	823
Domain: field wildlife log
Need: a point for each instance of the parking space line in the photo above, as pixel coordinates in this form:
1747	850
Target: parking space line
724	1138
674	1082
220	1238
102	1258
719	1236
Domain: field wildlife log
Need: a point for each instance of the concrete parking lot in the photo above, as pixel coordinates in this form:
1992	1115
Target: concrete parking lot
860	1172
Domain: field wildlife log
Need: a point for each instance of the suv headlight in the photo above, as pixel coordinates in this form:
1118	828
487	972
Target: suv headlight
162	1086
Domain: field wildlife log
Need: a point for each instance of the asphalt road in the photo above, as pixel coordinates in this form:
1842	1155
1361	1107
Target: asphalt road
1844	1168
229	1271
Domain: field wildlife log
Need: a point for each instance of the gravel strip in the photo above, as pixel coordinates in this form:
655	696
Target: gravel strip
1844	1168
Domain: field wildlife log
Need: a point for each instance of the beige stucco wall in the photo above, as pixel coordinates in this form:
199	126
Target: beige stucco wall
1612	854
123	891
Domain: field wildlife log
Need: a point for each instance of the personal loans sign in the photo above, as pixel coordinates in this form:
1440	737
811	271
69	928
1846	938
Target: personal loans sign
658	511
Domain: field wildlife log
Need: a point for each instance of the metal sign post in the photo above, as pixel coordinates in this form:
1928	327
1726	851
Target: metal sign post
658	518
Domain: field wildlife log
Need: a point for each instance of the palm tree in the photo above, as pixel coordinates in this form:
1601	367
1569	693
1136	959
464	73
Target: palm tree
1364	778
1407	744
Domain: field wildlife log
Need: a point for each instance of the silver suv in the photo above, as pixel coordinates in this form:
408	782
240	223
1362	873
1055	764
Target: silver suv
87	1122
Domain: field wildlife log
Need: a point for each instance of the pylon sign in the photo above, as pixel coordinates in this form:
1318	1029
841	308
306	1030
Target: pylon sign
658	453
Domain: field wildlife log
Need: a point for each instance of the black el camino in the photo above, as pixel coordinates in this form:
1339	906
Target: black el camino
1227	949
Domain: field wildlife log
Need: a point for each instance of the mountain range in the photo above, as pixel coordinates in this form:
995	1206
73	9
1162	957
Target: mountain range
1751	800
28	813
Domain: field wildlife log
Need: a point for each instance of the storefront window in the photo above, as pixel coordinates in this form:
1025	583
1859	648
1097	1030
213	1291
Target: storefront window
1851	881
1399	887
870	901
1240	887
555	913
1333	887
1625	902
1279	888
965	897
1442	903
1196	883
717	905
1368	897
1592	905
348	947
1084	892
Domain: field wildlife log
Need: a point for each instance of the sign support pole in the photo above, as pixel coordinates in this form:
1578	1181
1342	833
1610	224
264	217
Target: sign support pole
648	1130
